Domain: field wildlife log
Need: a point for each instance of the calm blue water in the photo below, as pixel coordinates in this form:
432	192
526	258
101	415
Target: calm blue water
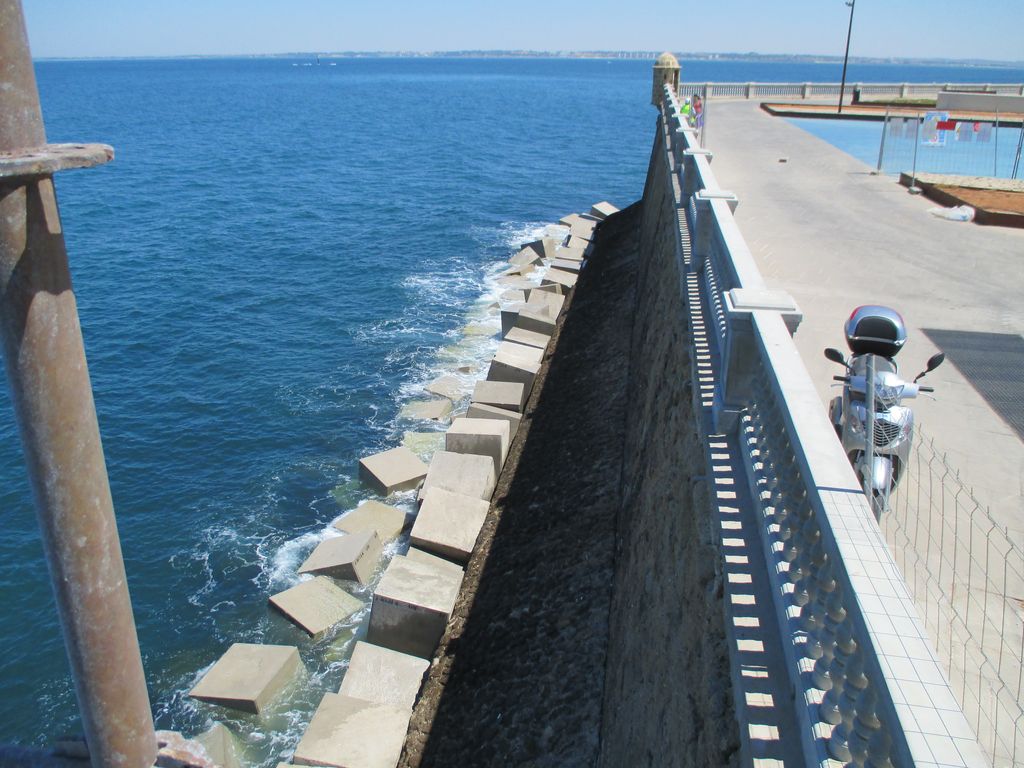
278	258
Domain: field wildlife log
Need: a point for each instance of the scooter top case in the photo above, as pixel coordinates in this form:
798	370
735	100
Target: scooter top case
875	330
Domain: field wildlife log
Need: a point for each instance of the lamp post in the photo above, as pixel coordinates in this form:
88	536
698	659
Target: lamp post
846	56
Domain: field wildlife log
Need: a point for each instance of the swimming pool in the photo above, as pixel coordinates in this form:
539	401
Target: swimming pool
971	149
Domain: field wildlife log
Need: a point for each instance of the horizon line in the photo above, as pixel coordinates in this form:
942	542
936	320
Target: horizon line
634	55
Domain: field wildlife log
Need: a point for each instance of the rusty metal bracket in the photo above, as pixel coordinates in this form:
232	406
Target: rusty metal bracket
50	158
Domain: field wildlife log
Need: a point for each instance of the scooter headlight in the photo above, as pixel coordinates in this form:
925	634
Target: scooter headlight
855	422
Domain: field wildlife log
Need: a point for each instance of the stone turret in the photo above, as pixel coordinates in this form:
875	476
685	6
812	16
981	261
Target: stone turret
666	71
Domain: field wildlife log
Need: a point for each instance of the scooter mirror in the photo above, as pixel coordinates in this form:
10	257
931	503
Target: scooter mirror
935	361
835	355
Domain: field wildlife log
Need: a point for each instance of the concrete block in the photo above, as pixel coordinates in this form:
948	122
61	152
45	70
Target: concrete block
520	271
503	394
383	676
552	288
446	386
484	437
570	254
509	368
353	733
569	220
427	410
510	315
386	521
465	473
536	320
575	241
569	265
423	444
411	606
353	556
529	338
583	229
526	256
560	276
513	297
552	301
449	523
511	348
221	746
390	471
247	677
517	283
453	570
603	210
481	411
479	329
316	605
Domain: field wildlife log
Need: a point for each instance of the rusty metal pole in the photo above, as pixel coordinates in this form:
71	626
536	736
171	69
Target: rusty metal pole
52	396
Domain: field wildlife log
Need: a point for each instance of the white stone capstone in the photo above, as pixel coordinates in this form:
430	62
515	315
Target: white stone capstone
247	677
396	470
383	676
411	606
449	523
353	556
316	605
483	437
353	733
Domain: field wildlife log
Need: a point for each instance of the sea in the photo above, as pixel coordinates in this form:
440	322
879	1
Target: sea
280	257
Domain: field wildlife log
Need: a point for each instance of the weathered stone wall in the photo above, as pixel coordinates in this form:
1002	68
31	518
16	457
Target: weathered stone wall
667	698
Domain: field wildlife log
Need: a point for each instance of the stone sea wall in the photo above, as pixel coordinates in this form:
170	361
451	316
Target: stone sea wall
667	698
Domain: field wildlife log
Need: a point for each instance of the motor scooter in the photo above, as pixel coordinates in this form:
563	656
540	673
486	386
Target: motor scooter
873	394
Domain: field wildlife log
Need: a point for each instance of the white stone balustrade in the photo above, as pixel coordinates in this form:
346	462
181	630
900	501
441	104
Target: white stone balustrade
857	655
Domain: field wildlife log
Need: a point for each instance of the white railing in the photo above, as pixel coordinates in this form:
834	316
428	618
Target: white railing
820	90
868	686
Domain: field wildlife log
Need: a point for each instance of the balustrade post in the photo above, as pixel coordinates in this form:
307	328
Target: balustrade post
854	684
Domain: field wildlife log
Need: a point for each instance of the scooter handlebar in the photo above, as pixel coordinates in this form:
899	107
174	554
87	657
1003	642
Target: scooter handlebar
925	389
841	378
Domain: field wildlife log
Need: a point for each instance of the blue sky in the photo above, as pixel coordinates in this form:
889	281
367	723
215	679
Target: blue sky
899	28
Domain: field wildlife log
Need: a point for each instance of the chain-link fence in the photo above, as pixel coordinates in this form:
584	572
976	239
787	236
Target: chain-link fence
966	574
932	142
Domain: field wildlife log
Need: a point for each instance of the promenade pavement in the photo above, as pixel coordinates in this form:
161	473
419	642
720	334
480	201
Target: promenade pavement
833	235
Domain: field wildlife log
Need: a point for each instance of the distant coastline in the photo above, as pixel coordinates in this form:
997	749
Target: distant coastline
635	55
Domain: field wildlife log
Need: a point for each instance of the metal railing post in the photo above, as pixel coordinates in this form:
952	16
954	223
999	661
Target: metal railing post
52	397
